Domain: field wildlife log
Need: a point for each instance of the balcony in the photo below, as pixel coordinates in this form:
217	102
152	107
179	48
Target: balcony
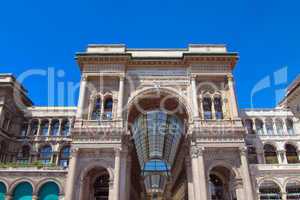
26	166
275	168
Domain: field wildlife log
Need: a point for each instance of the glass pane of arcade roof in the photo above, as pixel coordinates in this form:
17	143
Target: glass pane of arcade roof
156	136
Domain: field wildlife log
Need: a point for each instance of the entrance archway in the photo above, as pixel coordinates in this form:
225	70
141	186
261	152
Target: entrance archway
221	181
101	187
96	184
156	121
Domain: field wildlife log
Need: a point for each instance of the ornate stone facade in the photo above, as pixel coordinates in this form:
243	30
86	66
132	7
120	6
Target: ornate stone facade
201	146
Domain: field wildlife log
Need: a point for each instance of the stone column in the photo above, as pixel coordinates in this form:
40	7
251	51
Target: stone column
284	195
61	197
260	157
238	186
194	96
201	108
264	127
195	172
123	174
117	175
83	85
49	127
28	128
281	156
71	175
246	174
189	179
213	110
274	128
224	110
8	197
128	176
120	98
298	154
254	125
233	103
202	174
59	127
285	130
39	127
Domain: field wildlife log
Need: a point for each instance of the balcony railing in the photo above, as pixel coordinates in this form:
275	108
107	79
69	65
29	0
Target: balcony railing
33	165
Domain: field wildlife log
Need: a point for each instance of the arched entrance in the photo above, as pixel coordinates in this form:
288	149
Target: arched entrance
2	191
221	181
49	191
96	184
23	191
158	123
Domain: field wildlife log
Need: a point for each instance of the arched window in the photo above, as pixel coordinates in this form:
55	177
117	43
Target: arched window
218	107
64	156
96	114
101	187
108	104
207	108
269	127
34	127
24	130
290	126
259	126
3	191
279	126
252	155
269	190
249	126
270	154
291	153
65	128
49	191
46	154
293	190
54	128
45	127
23	191
24	155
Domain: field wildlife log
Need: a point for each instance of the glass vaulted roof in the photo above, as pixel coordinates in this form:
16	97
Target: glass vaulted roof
156	136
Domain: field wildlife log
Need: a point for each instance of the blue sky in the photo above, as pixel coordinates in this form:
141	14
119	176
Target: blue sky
43	34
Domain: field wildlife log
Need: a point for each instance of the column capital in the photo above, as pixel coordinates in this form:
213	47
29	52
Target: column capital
74	152
122	77
193	77
84	77
196	151
117	151
243	151
230	77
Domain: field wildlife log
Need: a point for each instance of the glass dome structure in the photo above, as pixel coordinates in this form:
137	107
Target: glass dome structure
156	136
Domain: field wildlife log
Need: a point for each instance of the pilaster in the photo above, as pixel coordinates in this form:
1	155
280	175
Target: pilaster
233	103
117	174
246	174
71	175
194	96
83	85
120	97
